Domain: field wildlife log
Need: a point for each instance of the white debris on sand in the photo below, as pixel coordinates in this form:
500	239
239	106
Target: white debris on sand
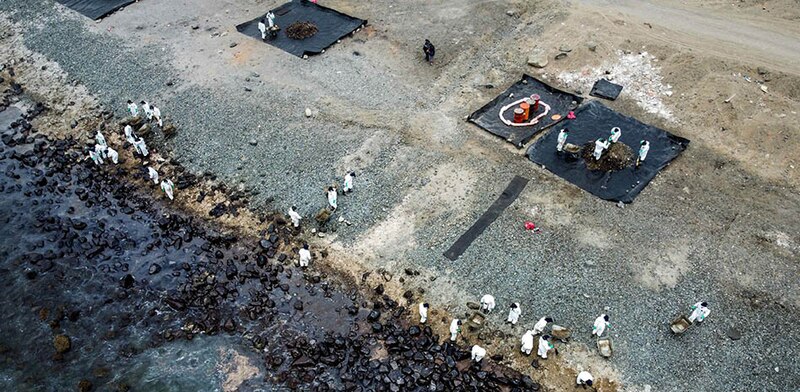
639	77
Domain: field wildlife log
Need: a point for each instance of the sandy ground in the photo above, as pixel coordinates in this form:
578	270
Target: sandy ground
720	223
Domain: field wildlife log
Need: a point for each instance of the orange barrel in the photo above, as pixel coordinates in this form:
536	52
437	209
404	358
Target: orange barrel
535	99
519	115
526	107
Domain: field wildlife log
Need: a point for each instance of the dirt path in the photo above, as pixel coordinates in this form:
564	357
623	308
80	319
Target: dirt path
728	34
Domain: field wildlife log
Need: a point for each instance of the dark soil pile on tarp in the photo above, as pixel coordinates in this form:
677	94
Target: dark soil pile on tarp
617	157
301	30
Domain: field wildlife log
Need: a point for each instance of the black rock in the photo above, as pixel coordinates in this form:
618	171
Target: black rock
154	269
127	281
374	315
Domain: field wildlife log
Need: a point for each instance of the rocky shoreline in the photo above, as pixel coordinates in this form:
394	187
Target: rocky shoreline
157	269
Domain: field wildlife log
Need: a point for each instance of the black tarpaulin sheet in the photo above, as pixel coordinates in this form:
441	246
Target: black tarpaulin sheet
606	90
332	25
95	9
488	117
594	120
508	196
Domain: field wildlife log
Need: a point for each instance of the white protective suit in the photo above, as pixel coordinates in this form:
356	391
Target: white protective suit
454	330
148	111
295	217
513	314
600	325
113	155
478	353
348	183
562	140
527	342
615	134
544	347
96	158
699	312
270	19
133	109
332	198
599	147
141	147
101	140
539	326
263	29
157	115
167	186
100	150
423	313
153	174
129	136
305	257
583	377
487	303
643	150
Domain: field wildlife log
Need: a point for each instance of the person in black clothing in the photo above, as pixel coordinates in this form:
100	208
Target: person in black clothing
429	50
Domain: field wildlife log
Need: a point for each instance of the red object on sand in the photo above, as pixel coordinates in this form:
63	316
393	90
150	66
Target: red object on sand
530	225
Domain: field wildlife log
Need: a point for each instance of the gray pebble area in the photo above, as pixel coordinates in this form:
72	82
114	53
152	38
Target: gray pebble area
553	273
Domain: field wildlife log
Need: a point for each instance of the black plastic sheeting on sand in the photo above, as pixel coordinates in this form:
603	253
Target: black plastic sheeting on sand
332	25
95	9
606	90
508	196
488	117
595	120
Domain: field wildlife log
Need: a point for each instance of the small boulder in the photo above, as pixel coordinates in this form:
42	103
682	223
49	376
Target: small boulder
62	343
538	58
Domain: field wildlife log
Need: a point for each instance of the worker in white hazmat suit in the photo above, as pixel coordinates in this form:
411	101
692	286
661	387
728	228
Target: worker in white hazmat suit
562	139
423	312
332	197
700	311
270	19
148	111
527	342
294	216
615	135
600	146
113	155
348	182
100	139
262	27
305	256
141	147
478	353
167	186
541	324
600	325
584	379
513	313
157	115
96	158
544	346
129	135
153	174
132	108
644	148
455	329
100	150
487	303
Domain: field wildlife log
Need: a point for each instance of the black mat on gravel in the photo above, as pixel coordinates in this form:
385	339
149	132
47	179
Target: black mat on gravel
595	120
606	90
332	25
95	9
488	117
508	196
